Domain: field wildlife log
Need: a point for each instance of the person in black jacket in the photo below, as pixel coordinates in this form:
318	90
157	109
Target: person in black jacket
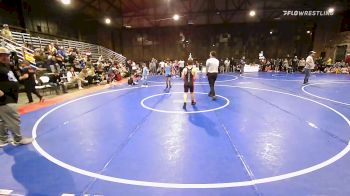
28	79
9	117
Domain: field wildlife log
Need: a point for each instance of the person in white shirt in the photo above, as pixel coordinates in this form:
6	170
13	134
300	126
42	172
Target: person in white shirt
301	64
161	67
212	66
309	65
73	77
181	66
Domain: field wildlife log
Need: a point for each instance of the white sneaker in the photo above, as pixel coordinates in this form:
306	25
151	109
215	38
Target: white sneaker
3	143
23	141
81	88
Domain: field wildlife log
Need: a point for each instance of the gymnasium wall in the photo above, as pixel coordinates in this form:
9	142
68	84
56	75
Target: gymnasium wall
231	40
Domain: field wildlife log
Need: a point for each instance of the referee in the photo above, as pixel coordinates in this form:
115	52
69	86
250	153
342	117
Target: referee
212	66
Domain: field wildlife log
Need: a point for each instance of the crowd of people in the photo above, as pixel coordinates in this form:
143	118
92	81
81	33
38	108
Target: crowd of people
68	68
289	65
298	64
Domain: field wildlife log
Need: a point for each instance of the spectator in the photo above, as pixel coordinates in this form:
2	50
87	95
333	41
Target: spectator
73	77
329	61
145	73
61	56
345	70
301	64
227	65
347	59
153	66
91	75
129	66
28	79
242	64
181	66
286	65
232	65
5	32
161	67
295	64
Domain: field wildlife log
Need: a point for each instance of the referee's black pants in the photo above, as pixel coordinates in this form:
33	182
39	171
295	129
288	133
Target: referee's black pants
211	79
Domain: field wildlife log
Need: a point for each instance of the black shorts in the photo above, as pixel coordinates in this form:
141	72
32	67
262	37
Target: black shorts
168	76
188	86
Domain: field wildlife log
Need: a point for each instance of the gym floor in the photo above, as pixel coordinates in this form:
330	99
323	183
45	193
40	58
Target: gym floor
266	134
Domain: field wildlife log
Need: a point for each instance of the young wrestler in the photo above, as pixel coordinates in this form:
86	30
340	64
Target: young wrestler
145	73
168	70
189	74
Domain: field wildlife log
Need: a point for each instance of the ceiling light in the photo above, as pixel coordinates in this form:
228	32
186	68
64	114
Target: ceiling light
176	17
66	2
308	32
331	10
108	21
252	13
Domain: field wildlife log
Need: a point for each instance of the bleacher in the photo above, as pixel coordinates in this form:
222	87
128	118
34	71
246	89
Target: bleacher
37	42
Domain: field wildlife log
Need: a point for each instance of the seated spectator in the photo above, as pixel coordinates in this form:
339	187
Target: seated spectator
77	65
55	80
52	49
337	70
5	32
73	77
347	59
133	80
71	56
91	77
40	58
100	73
61	56
328	69
83	75
118	76
268	68
111	74
345	70
123	72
